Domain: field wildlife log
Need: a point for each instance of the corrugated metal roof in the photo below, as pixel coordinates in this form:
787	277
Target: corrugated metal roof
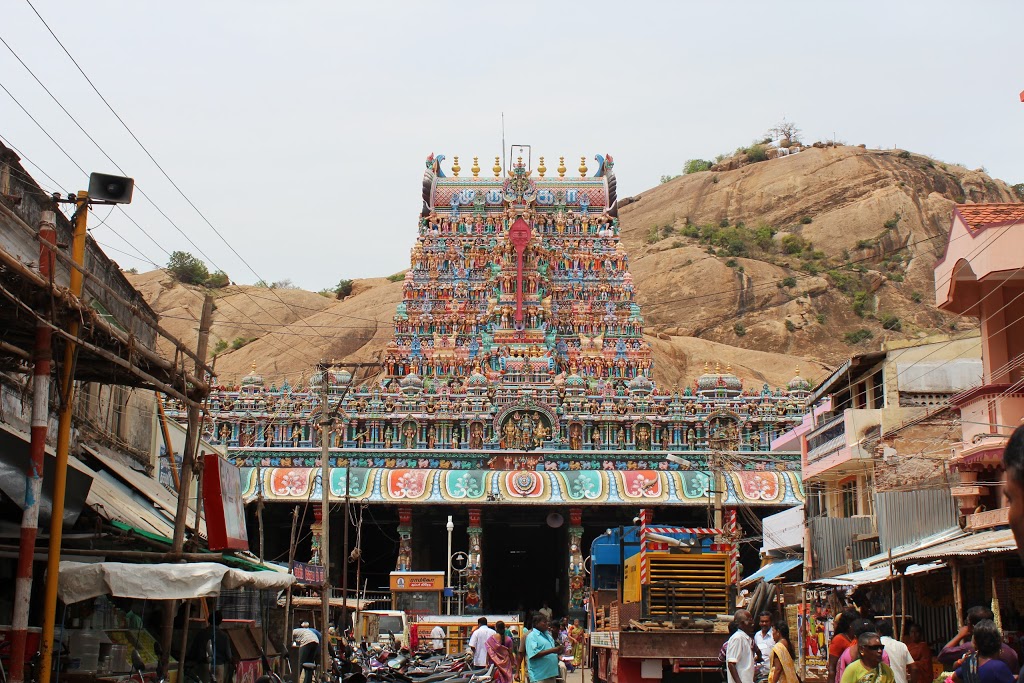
162	499
113	501
876	575
899	552
981	543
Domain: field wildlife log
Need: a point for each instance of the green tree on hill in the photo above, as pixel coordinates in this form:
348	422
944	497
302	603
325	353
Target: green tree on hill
187	269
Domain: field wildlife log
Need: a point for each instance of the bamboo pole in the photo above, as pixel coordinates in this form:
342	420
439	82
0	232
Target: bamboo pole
167	440
958	594
903	606
192	438
892	592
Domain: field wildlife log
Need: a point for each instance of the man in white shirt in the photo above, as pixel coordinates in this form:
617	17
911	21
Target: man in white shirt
478	642
437	636
739	652
900	660
764	644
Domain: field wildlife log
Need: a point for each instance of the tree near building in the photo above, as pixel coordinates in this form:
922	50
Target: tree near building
187	269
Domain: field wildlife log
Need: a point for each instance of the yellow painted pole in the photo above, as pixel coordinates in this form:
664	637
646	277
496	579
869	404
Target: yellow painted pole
60	477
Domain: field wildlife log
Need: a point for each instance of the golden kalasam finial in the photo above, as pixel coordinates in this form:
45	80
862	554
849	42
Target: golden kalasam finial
718	368
456	168
707	369
476	168
497	167
561	167
254	368
798	371
540	169
583	167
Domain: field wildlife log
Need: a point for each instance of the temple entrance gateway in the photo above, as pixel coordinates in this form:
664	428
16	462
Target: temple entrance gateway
518	383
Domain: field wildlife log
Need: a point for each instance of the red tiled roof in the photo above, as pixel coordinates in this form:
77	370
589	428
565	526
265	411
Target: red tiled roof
985	215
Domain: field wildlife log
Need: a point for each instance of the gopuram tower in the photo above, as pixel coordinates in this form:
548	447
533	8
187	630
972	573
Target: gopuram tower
519	299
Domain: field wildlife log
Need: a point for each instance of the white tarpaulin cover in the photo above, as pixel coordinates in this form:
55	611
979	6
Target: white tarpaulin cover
81	581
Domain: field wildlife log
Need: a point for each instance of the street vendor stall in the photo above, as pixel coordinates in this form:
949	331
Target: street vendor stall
107	646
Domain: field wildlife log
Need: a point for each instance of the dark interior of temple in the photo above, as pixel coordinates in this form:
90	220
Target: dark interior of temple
525	548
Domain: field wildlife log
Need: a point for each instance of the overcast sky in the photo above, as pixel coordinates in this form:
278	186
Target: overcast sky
300	128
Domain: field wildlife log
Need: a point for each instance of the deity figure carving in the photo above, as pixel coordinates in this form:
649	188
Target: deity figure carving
576	437
476	436
387	436
409	436
296	436
643	438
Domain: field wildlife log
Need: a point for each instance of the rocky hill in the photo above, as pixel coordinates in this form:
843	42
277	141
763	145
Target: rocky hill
799	260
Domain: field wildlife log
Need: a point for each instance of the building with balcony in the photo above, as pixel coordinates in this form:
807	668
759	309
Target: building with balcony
868	445
981	275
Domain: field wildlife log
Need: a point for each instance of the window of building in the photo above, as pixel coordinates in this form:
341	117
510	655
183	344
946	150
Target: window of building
877	391
848	498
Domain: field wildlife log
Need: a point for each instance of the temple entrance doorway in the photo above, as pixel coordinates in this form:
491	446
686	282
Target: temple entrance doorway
525	562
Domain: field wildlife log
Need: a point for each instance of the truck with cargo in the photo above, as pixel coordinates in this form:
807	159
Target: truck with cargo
659	597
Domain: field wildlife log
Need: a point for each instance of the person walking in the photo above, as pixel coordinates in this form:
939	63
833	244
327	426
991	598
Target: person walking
437	636
840	642
782	669
763	644
860	626
308	643
900	661
576	636
542	653
501	654
739	653
869	667
478	642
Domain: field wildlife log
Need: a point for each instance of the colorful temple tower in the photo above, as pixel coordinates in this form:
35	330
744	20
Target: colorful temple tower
518	377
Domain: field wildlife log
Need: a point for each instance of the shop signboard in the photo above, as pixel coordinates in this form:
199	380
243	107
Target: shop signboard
222	504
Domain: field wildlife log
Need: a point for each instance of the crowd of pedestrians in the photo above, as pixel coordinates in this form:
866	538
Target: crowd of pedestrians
549	649
866	651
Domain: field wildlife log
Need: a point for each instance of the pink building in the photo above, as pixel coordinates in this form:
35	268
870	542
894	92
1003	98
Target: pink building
981	275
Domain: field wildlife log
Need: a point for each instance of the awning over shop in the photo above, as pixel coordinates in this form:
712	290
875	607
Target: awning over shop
80	581
876	575
772	570
992	542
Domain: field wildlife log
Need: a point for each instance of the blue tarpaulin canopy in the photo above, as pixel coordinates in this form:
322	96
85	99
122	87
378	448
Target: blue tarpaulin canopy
772	570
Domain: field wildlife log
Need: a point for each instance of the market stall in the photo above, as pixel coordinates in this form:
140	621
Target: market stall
101	642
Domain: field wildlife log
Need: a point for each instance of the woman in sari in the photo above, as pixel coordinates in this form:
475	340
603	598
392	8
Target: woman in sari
576	634
501	654
921	651
783	670
566	643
